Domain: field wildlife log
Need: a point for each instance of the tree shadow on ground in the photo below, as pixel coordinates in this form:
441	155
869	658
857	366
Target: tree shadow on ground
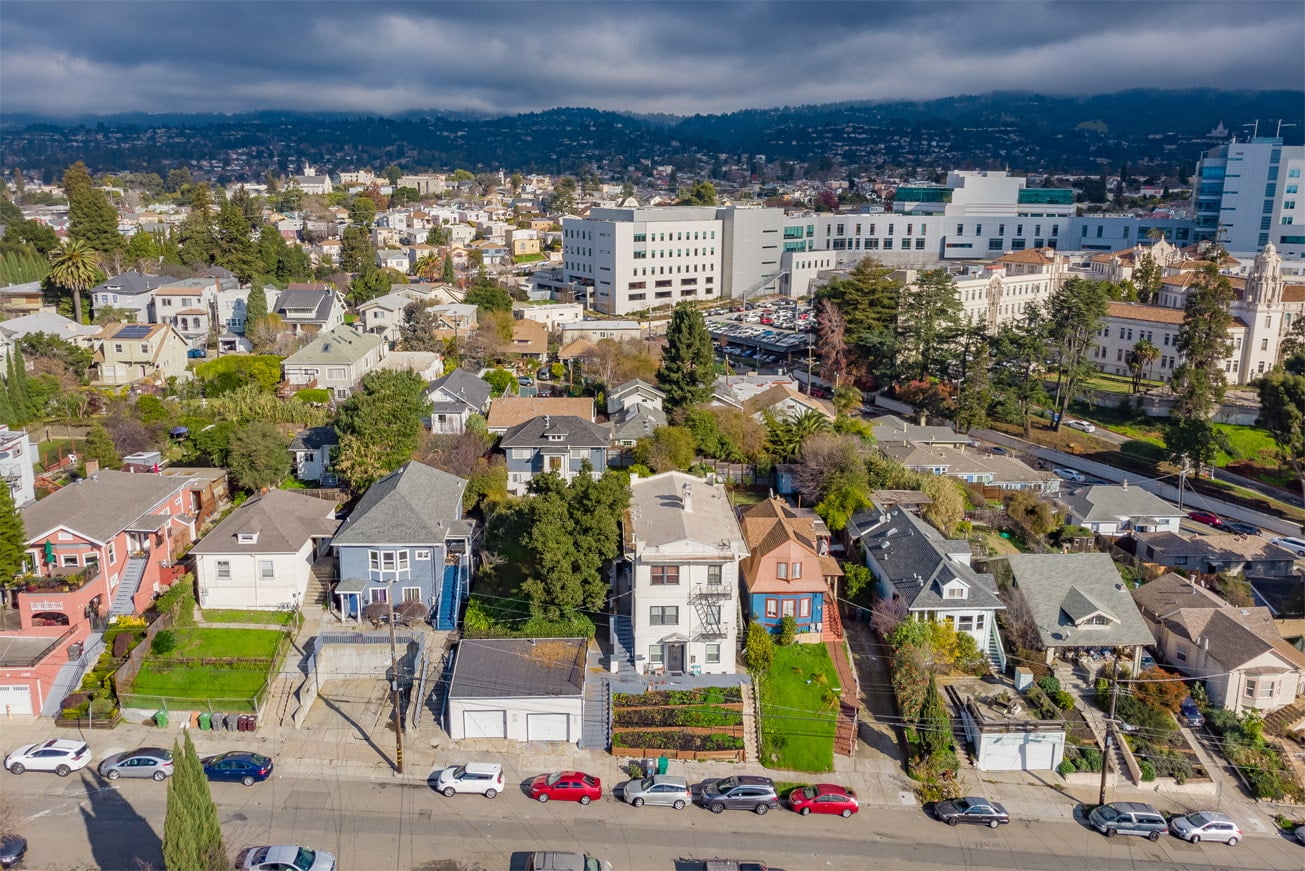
119	836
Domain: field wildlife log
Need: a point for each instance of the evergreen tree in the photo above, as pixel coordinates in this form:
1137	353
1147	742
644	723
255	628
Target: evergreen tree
1198	382
934	727
198	241
929	317
974	396
16	387
233	247
90	217
356	251
192	833
417	332
450	277
1075	314
6	412
688	364
13	536
255	308
99	446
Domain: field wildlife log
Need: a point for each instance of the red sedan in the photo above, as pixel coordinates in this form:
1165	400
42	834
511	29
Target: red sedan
566	786
1205	517
823	798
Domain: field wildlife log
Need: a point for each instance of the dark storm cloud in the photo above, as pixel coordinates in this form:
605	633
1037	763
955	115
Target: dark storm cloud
64	58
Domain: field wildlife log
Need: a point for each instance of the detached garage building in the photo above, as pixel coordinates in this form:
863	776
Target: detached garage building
1002	733
517	688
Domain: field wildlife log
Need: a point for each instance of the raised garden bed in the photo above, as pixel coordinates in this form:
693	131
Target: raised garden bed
698	716
664	698
712	741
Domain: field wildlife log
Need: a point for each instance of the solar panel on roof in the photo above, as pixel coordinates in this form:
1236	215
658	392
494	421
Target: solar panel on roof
133	331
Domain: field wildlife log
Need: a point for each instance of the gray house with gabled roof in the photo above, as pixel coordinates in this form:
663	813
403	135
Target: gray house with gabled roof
407	539
929	577
129	290
309	308
454	398
560	444
1110	509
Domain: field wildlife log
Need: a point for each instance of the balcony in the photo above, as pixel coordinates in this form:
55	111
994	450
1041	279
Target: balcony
66	597
711	592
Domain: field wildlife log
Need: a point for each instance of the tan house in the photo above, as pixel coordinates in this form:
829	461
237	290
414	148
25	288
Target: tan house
1237	651
529	339
506	412
128	353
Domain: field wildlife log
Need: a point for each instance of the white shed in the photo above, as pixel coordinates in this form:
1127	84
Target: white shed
1004	736
521	689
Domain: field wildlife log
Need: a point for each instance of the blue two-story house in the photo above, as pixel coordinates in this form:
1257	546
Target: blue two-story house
553	443
789	571
407	540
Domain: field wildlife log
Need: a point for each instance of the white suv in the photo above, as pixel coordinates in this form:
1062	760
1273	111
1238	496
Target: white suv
485	778
1295	545
60	755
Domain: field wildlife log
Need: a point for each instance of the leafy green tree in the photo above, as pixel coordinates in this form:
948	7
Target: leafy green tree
362	211
1147	276
417	330
192	834
257	456
234	248
449	276
928	320
759	649
687	369
233	371
91	219
178	179
1282	413
75	268
974	396
702	194
1020	347
369	284
13	537
562	201
785	434
356	251
1075	313
392	174
1198	383
196	236
501	382
99	446
212	442
489	297
867	298
668	448
380	427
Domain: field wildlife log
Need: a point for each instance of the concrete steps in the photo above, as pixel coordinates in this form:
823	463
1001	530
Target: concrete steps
596	713
121	604
751	736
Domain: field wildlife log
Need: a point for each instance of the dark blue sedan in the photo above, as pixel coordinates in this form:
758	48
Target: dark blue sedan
246	768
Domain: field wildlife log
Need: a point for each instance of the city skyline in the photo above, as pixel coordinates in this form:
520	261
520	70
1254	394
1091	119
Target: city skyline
503	58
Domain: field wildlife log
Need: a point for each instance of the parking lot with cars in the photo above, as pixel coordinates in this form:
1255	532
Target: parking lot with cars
766	334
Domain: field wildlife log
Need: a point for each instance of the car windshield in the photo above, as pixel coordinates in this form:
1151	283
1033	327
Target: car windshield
727	783
552	779
459	771
260	761
1198	819
809	792
304	858
646	784
962	805
591	864
1107	812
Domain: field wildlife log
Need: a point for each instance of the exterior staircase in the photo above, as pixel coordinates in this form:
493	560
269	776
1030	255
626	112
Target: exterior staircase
121	604
70	675
751	738
1285	720
446	618
996	653
320	576
596	713
848	700
622	642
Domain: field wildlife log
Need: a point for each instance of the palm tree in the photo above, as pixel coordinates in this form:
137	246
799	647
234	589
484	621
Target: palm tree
1140	359
427	266
75	266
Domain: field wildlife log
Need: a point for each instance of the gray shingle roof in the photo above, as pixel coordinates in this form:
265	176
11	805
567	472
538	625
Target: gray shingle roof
556	431
314	437
637	421
1106	502
915	558
891	428
343	345
518	667
102	506
129	283
462	386
317	300
415	505
1063	587
283	522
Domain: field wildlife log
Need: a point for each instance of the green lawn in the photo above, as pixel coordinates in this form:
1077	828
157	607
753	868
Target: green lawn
227	615
798	713
222	689
217	643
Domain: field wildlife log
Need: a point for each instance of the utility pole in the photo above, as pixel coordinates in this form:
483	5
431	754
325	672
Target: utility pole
810	350
1110	724
1182	479
394	683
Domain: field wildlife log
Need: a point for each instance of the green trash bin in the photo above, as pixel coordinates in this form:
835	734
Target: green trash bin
662	762
205	721
161	719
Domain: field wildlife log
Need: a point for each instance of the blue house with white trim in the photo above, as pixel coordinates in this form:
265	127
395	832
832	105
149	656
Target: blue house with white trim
407	539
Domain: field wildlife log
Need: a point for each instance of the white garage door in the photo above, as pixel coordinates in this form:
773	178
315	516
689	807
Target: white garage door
547	727
1039	755
484	724
16	700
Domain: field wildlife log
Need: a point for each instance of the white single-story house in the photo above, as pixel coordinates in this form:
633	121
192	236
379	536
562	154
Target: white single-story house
521	689
261	556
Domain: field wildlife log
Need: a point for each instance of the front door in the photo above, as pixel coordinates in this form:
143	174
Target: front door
674	657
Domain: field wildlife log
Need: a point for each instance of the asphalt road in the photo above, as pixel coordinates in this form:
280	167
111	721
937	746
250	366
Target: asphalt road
82	822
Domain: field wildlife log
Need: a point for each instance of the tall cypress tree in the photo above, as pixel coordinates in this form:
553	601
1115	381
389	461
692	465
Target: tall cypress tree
687	369
6	412
16	384
450	277
192	834
234	248
13	538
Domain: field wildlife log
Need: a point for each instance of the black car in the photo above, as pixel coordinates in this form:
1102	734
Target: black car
971	809
743	792
12	850
1240	528
239	766
1189	714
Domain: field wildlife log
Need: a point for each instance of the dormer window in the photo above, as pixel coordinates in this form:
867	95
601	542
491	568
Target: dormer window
247	537
956	590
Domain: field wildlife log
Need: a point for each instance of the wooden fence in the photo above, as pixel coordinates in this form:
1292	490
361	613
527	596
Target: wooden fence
690	755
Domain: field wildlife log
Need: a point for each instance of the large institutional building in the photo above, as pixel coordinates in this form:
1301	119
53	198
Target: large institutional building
1247	195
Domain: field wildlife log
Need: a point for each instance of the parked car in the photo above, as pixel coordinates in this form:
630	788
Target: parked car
238	766
1241	528
1189	714
551	860
63	756
485	778
284	858
544	374
1300	834
12	850
152	762
1081	425
746	792
1128	818
823	798
971	809
1295	545
1207	517
196	353
660	789
1206	826
1071	475
566	786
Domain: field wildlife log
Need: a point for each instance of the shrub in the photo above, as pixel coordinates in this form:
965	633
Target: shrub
1063	700
787	629
1148	770
164	643
1066	767
1049	684
759	647
1221	720
1091	759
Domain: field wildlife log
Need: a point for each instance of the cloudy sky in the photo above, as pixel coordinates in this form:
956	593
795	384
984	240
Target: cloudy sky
69	58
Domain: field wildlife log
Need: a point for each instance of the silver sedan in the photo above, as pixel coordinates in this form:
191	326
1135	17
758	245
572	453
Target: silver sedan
660	789
152	762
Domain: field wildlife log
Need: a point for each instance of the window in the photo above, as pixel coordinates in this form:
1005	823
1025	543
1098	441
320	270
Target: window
965	623
223	568
1180	653
113	554
1249	689
266	569
68	559
655	654
788	608
423	555
796	571
772	607
804	606
781	570
411	594
664	615
955	591
714	576
713	615
665	575
713	653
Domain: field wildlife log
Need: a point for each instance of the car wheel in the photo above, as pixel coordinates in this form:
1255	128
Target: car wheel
1194	839
1155	836
717	808
543	797
490	793
17	768
449	792
584	799
762	809
247	780
804	811
847	812
1232	842
113	774
1111	832
953	821
63	771
638	802
992	824
158	776
679	805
